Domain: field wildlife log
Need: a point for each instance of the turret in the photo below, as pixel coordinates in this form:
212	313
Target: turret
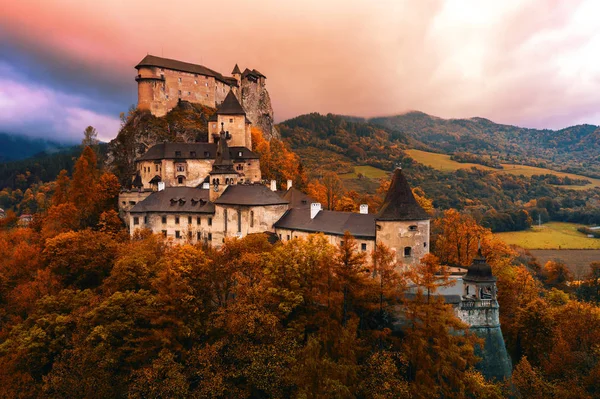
237	74
480	310
231	117
222	174
402	224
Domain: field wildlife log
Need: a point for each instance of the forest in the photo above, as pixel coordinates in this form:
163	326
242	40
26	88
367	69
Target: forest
88	311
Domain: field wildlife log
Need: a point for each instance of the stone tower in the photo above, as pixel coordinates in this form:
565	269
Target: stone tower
222	174
231	117
480	310
237	74
401	223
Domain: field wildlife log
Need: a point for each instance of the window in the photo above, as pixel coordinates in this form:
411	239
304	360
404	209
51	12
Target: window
164	219
167	96
363	246
136	220
164	233
209	236
180	81
176	219
198	220
156	167
180	180
239	167
178	154
181	168
189	235
424	245
180	93
230	120
210	221
239	229
198	236
225	218
189	93
251	218
240	154
131	202
192	154
288	237
145	219
407	252
177	234
280	236
189	220
412	228
206	154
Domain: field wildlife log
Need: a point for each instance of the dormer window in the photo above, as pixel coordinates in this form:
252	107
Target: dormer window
178	154
192	154
206	154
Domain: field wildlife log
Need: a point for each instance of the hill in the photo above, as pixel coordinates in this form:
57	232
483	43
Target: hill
574	149
14	147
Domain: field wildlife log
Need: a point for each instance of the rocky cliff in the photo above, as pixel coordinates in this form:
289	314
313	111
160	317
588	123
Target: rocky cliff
257	104
187	123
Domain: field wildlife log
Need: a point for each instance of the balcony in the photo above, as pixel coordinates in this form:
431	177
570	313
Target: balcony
478	303
140	77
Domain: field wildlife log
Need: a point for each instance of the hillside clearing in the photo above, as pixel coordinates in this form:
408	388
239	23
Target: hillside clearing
553	235
370	172
444	163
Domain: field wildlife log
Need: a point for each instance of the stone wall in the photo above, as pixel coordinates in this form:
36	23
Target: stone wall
364	245
400	235
192	227
254	219
128	199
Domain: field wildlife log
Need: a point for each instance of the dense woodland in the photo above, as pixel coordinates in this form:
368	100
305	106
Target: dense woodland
88	312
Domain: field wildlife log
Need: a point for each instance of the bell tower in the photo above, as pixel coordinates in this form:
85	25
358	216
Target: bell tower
222	174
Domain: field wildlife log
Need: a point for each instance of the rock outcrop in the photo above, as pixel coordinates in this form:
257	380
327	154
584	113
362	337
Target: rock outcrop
257	104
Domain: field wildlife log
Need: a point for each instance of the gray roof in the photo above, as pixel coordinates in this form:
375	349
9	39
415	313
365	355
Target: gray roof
400	203
236	69
169	151
249	195
152	60
176	199
296	198
330	222
480	271
231	106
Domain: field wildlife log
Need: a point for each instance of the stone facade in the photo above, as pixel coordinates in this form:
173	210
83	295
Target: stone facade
363	244
408	239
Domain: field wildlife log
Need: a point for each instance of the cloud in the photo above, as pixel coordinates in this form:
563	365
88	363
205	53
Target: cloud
40	111
527	62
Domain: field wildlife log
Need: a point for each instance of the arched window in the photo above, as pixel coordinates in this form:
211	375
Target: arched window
180	179
407	252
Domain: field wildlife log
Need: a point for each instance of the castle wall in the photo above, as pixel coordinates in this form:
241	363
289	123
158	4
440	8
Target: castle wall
167	86
287	235
249	170
254	219
193	230
479	316
236	126
128	199
398	235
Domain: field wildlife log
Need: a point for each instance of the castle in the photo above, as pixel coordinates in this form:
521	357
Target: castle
208	192
163	82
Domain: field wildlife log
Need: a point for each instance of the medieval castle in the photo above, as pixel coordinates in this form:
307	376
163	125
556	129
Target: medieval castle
210	191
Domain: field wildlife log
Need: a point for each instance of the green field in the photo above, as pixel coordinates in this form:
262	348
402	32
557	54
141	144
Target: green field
553	235
367	171
444	163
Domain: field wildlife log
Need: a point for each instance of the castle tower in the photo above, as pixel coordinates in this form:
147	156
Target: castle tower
237	74
480	310
232	118
222	174
401	223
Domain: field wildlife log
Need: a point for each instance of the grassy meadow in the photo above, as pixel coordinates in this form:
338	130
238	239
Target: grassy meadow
444	163
552	235
367	171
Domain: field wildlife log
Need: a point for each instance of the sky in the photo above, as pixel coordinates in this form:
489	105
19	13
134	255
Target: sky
67	64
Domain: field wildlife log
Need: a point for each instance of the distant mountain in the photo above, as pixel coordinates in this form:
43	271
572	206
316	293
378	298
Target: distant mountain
14	147
573	149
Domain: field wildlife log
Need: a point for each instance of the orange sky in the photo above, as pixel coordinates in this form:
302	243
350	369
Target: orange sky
533	63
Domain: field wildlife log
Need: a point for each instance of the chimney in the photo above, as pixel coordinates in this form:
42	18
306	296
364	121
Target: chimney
161	185
289	184
206	186
273	185
364	209
315	208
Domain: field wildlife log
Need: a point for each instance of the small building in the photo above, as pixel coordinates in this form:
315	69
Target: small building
24	220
